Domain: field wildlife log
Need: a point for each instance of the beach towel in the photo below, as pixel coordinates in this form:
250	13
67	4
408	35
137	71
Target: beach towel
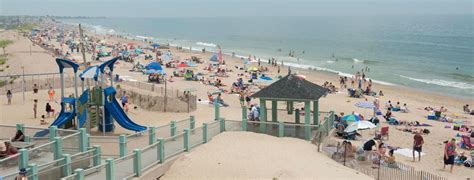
424	124
407	152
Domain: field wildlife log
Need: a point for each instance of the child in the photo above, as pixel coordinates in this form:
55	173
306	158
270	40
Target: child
42	121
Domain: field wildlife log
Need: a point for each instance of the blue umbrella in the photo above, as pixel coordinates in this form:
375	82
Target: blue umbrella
351	117
154	45
365	104
214	58
266	78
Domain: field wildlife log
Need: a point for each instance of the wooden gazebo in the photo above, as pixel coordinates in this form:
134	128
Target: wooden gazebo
291	88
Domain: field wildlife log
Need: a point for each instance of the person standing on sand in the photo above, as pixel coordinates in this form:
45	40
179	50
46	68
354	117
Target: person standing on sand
124	100
449	154
278	70
241	98
35	107
417	145
51	94
9	96
35	88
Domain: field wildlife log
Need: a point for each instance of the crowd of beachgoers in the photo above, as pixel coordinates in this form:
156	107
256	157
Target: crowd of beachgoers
440	135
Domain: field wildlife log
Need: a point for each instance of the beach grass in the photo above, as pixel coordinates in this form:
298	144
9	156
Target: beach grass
3	60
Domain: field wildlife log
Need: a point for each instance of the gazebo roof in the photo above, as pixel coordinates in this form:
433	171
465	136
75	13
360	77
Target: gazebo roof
292	87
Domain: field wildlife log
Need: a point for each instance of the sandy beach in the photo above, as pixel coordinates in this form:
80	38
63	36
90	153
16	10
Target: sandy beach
248	155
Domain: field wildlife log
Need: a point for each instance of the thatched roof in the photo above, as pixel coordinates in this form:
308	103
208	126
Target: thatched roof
292	87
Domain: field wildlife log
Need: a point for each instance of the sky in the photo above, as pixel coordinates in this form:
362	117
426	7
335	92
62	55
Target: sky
233	8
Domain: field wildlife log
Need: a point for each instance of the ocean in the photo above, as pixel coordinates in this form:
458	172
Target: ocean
428	52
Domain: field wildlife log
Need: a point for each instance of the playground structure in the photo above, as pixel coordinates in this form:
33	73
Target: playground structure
98	108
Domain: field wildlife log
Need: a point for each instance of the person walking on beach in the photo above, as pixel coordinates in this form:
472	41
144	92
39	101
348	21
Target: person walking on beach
51	93
49	109
35	88
35	107
241	98
9	96
449	154
417	145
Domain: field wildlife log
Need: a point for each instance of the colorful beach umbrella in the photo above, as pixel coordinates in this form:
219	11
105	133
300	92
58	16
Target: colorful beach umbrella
155	45
351	117
191	64
359	125
252	69
182	65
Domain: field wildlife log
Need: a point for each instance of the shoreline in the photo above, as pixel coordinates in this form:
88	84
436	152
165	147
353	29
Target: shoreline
210	47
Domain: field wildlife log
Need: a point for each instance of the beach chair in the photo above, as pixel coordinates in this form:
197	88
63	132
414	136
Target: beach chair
466	140
384	132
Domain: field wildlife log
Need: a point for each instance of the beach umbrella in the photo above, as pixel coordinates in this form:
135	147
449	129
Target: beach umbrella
138	51
252	69
154	65
103	53
191	64
301	76
182	65
246	61
365	104
155	45
359	125
266	78
351	117
214	58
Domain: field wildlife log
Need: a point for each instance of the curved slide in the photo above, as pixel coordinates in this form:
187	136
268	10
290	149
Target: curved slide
62	118
114	108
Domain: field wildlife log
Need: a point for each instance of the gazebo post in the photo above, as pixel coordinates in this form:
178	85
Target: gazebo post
263	115
307	119
274	110
316	112
291	108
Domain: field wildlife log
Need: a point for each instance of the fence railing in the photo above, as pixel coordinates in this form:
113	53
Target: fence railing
160	149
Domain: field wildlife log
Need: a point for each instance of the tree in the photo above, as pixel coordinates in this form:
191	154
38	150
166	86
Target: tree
4	44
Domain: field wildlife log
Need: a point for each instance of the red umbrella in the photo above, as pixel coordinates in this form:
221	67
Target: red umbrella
183	65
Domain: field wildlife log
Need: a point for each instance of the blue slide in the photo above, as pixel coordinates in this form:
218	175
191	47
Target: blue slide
113	108
63	117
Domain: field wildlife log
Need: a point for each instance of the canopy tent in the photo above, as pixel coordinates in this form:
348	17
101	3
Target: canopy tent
90	73
214	58
154	65
64	63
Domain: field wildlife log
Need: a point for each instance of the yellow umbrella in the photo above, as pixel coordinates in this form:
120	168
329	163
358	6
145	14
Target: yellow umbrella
252	69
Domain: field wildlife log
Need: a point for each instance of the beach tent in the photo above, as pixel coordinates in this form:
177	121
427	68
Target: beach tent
152	71
359	125
214	58
154	65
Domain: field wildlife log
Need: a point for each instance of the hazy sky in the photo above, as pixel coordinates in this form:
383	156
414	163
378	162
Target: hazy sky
173	8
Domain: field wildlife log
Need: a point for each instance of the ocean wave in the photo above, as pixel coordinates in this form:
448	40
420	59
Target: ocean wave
330	62
440	82
358	60
206	44
143	37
